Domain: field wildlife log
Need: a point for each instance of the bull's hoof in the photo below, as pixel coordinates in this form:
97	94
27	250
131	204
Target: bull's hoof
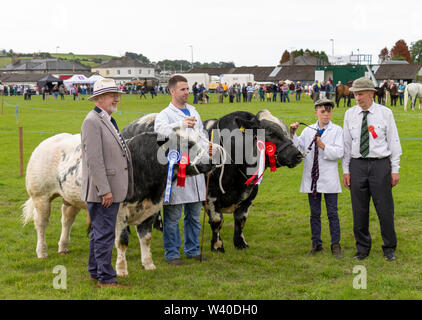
42	255
150	267
122	273
240	244
220	249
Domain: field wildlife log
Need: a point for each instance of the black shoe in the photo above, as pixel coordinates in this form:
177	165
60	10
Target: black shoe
336	250
175	261
360	256
390	256
315	248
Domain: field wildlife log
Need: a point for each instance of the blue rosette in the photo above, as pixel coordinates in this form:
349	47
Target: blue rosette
173	157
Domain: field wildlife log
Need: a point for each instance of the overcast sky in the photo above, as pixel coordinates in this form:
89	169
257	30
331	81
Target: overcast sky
245	32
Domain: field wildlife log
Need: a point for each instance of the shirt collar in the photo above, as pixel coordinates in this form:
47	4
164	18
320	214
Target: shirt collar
189	107
371	108
325	127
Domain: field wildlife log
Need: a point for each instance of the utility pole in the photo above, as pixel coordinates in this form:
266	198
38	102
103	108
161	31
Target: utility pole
57	63
191	52
332	47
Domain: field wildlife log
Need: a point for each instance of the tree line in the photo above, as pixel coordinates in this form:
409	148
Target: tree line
401	51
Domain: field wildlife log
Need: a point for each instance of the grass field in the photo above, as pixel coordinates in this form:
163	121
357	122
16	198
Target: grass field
276	264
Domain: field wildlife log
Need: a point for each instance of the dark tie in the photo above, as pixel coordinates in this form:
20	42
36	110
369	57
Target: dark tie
364	136
315	165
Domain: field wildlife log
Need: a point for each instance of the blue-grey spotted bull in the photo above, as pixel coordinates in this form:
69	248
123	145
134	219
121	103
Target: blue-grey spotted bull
54	170
237	197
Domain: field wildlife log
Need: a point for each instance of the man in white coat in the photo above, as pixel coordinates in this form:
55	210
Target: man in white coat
190	197
322	143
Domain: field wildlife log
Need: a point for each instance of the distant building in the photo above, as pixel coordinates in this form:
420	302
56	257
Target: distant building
302	73
52	66
125	69
397	72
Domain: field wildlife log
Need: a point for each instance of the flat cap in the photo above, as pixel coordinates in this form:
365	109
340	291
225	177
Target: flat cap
324	102
362	84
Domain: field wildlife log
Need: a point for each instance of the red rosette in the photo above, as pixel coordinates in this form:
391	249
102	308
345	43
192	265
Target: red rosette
181	175
270	149
371	129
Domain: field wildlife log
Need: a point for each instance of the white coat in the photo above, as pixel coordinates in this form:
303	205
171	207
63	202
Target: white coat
168	119
329	181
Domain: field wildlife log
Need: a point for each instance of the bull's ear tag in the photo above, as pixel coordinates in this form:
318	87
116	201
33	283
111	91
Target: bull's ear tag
242	128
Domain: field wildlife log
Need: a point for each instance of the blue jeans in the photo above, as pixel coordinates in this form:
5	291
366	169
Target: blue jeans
401	98
191	225
298	95
286	97
195	98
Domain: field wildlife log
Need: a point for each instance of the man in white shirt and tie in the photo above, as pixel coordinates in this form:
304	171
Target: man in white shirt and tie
371	165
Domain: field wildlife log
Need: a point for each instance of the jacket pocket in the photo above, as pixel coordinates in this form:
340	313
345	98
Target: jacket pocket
111	172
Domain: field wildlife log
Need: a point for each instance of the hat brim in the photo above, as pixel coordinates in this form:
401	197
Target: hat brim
112	90
362	89
331	103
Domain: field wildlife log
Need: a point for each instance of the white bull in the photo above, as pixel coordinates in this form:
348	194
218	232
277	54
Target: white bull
54	170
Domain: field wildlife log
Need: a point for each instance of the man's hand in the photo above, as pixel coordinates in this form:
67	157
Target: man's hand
394	179
346	180
293	128
107	200
189	122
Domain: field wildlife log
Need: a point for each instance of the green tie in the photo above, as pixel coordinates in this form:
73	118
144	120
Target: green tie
364	136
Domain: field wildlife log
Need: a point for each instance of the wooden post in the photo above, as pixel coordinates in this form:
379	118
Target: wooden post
20	152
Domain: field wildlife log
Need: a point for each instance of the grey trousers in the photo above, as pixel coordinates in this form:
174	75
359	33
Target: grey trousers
371	178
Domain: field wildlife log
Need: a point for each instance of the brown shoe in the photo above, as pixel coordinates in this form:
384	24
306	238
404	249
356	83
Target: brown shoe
93	279
336	250
112	285
176	262
315	248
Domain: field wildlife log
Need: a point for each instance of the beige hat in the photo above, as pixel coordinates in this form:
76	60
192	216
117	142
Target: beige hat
362	84
104	86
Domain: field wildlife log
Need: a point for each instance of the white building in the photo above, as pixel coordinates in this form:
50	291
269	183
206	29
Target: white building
125	69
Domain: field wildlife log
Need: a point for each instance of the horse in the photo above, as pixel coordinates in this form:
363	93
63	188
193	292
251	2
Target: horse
381	93
414	90
342	91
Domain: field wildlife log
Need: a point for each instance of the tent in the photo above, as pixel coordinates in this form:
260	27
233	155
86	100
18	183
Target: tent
48	81
76	79
94	78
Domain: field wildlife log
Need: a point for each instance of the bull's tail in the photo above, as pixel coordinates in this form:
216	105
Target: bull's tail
28	210
406	96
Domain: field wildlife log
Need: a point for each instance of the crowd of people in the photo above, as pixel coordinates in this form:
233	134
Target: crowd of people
282	91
